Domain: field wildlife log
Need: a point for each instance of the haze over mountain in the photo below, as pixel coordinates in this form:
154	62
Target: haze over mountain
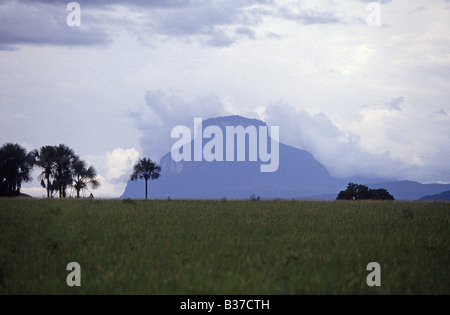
299	176
410	190
444	196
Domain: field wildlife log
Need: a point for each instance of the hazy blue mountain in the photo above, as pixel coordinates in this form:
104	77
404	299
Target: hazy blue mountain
409	190
299	176
444	196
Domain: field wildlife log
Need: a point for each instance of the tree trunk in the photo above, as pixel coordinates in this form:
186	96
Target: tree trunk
48	188
146	189
78	189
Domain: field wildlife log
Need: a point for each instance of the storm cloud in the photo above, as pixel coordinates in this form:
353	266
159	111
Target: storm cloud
212	23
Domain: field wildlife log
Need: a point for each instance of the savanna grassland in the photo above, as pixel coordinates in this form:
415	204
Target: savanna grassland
223	246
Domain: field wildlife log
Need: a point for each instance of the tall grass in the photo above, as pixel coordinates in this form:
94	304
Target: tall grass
223	247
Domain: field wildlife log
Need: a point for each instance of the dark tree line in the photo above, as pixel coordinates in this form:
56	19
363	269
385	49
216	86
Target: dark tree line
361	192
61	169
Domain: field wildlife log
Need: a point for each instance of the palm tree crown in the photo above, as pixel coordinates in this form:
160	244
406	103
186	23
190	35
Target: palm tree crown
146	169
83	176
15	168
45	158
64	157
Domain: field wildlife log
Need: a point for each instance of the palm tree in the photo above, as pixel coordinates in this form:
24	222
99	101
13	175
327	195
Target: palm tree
64	157
83	176
45	158
146	169
15	168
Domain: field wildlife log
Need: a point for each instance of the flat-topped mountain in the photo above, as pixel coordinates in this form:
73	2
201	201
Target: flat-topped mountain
298	174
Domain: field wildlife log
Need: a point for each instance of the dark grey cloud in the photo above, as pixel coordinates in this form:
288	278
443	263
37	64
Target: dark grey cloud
218	23
42	24
105	3
214	23
222	23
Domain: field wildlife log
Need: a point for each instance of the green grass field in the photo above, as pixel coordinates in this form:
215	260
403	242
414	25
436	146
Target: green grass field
223	247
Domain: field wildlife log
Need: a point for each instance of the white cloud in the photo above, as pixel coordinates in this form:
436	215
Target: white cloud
417	136
119	162
36	192
114	169
109	189
164	111
339	150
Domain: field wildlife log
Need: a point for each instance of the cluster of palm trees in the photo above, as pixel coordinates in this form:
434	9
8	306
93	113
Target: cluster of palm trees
61	169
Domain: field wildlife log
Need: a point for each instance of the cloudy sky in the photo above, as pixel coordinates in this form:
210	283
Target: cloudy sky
364	99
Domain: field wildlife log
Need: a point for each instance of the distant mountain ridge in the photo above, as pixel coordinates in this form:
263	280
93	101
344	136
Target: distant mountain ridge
299	176
410	190
444	196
